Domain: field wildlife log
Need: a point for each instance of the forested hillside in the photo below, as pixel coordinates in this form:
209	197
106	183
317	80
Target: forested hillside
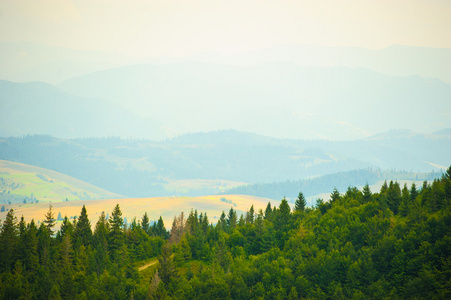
314	186
395	243
143	168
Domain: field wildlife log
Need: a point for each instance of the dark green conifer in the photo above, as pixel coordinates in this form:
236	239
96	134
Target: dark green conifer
83	232
49	220
145	224
9	239
300	204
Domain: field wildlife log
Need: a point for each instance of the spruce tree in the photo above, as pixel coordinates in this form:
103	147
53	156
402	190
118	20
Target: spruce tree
145	224
268	211
161	230
9	239
232	219
300	204
83	232
100	244
116	233
49	220
250	215
334	196
367	195
413	192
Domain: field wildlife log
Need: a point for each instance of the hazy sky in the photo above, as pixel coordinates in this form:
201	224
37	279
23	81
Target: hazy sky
155	28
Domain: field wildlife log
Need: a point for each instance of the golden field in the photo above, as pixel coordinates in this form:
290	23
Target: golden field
166	207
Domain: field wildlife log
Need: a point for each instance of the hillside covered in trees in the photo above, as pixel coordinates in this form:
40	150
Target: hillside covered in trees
395	243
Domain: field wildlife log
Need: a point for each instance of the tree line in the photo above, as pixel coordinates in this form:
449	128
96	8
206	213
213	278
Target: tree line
390	244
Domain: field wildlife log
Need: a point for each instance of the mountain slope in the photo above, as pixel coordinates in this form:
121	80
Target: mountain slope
40	108
142	168
276	99
25	182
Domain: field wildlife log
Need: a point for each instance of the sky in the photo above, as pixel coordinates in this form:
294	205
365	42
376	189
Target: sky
159	32
169	28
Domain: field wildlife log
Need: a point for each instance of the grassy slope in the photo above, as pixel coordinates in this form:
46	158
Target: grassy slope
47	185
167	207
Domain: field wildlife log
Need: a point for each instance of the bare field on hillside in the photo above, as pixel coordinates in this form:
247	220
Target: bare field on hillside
166	207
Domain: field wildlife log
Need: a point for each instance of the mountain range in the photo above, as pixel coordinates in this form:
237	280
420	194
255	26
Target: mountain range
280	100
143	168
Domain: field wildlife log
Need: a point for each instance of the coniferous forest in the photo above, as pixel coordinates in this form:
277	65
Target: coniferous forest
390	244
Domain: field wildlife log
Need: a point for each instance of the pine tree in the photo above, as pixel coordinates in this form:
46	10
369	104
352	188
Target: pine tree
66	228
167	270
30	246
250	215
83	232
161	230
145	224
222	223
404	207
116	233
367	195
9	239
394	196
232	219
334	196
300	204
49	220
413	192
268	211
384	188
100	244
284	212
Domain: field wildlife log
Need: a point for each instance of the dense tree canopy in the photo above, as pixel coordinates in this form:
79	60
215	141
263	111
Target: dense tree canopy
395	243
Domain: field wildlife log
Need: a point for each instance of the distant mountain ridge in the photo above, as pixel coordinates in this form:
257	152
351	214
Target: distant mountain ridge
35	62
143	168
41	108
274	99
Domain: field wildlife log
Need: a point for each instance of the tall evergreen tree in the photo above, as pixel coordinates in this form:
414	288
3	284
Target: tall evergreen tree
222	223
334	196
167	270
300	204
116	234
232	219
367	195
250	215
161	229
83	232
67	228
30	247
9	239
49	220
100	244
268	211
413	192
405	196
394	196
145	224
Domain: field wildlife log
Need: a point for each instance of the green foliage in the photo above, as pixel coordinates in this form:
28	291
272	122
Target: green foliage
83	232
300	203
360	245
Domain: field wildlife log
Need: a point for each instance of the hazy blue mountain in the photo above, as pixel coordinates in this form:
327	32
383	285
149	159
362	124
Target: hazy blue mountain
40	108
395	60
282	100
22	62
134	167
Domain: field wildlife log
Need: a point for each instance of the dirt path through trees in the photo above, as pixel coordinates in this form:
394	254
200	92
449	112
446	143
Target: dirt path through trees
147	265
